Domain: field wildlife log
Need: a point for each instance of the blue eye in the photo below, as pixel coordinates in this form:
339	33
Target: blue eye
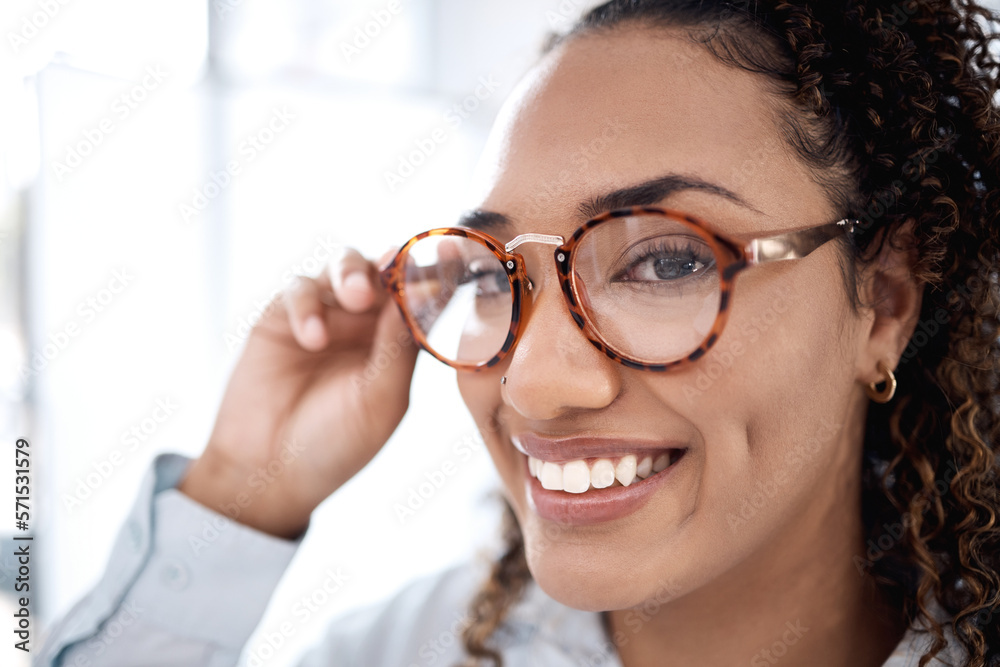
666	259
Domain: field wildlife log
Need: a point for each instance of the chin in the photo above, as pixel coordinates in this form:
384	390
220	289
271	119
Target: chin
580	577
580	592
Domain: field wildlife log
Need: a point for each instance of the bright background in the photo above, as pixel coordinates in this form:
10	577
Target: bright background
91	184
195	279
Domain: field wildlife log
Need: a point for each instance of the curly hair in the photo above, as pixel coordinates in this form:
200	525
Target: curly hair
895	107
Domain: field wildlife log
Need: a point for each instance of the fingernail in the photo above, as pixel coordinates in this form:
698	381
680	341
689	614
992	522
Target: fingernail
356	280
312	330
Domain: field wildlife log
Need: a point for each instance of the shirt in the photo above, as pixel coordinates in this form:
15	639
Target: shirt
187	586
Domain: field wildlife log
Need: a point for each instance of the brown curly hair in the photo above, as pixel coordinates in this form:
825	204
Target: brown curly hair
895	105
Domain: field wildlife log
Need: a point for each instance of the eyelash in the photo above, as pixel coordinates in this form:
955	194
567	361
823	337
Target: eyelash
660	249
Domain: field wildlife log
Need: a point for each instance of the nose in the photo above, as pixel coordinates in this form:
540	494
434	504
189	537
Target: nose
554	370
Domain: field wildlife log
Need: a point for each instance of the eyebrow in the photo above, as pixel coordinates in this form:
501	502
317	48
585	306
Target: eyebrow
644	194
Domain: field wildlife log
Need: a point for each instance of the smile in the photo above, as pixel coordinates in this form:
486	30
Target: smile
583	481
582	475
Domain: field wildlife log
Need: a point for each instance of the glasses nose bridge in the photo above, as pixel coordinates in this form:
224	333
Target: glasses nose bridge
546	239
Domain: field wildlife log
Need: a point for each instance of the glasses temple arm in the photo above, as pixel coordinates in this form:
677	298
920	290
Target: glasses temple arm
797	244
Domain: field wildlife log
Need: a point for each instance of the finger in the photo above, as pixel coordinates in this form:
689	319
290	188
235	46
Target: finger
354	279
306	314
387	255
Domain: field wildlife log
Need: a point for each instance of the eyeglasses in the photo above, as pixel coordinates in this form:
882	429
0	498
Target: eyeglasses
649	287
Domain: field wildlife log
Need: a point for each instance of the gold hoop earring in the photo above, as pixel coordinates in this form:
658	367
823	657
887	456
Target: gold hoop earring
888	391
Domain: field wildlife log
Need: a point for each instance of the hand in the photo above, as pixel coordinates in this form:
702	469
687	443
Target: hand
307	406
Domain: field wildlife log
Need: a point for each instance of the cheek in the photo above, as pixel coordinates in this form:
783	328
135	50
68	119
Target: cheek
481	394
770	401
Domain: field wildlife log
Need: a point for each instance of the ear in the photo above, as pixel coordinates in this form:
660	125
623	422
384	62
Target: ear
891	297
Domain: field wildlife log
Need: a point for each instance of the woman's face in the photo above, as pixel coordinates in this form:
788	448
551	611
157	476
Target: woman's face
767	470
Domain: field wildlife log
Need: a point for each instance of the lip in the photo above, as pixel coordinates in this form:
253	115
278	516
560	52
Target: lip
561	450
595	505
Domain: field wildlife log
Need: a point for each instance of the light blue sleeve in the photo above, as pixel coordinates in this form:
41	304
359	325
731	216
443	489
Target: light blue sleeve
187	586
417	626
184	585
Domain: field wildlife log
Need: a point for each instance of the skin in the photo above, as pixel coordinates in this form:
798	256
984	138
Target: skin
697	575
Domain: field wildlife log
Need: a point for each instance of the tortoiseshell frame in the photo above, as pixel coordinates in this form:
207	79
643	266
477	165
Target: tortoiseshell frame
733	257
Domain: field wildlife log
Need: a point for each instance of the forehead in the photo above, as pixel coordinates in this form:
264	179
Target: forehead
615	108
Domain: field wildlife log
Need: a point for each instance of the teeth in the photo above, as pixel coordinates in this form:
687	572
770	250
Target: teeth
625	470
533	465
602	475
578	477
645	467
551	476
